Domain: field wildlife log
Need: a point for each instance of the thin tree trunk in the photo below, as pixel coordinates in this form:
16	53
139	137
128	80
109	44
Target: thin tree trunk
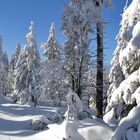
99	78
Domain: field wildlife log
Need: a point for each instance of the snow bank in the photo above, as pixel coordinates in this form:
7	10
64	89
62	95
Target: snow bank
129	127
15	120
39	123
4	99
88	129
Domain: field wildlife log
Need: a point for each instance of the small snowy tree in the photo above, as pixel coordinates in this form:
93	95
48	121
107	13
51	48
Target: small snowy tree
25	84
75	106
11	71
52	47
15	56
126	95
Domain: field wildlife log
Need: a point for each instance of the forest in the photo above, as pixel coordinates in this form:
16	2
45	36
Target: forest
69	92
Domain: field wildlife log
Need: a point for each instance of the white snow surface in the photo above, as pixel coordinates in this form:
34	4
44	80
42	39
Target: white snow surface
129	127
15	119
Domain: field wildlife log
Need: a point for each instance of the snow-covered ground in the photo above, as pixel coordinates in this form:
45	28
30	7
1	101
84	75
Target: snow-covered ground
15	120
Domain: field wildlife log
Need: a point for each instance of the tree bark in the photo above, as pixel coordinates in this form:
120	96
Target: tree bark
99	77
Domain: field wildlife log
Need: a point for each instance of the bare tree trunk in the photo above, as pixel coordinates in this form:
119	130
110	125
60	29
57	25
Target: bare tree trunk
99	78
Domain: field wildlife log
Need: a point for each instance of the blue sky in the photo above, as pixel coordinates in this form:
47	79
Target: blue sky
15	17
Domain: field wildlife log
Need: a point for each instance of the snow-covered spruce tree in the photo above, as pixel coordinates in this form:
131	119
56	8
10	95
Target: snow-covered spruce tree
15	57
125	95
51	47
53	86
11	71
116	75
25	87
3	69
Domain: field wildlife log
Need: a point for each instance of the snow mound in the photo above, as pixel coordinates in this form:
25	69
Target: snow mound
56	118
88	129
15	119
4	99
129	127
39	123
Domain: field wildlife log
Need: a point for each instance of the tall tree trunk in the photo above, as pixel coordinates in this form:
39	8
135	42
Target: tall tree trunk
99	78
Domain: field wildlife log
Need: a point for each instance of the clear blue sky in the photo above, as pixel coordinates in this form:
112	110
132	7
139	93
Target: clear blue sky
15	17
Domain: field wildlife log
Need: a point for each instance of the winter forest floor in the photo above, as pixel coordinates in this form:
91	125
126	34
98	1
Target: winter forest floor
15	123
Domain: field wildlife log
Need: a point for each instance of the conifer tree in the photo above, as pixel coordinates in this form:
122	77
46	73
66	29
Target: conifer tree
4	64
124	95
51	47
28	62
11	71
52	73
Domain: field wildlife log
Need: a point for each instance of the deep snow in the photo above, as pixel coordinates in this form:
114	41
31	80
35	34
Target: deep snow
15	120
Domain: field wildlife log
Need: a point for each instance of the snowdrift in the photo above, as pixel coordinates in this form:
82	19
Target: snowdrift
4	99
129	127
15	120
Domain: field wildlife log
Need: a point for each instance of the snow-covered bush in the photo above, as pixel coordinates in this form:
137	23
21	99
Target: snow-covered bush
75	107
39	123
56	118
84	115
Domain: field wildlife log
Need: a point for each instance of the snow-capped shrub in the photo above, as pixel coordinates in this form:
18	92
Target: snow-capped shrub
57	118
39	123
83	115
75	106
